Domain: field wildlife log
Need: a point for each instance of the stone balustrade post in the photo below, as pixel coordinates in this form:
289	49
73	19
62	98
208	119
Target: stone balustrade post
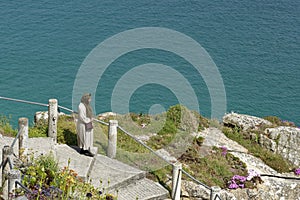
215	192
6	155
176	181
52	119
112	139
23	137
13	176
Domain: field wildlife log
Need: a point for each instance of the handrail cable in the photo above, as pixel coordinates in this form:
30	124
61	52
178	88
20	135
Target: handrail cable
129	134
102	122
22	186
143	144
13	143
24	101
217	196
9	162
3	164
194	179
150	149
70	110
46	105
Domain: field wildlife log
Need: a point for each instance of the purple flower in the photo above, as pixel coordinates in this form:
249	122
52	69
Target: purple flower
224	151
237	181
233	186
239	178
297	171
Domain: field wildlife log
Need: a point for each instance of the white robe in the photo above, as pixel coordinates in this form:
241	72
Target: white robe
85	138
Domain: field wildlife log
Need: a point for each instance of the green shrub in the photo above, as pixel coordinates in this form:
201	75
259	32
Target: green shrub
40	171
278	122
215	169
66	130
174	114
39	129
273	119
5	127
127	143
47	181
140	118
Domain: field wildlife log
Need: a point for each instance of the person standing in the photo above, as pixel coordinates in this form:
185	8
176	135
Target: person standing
85	134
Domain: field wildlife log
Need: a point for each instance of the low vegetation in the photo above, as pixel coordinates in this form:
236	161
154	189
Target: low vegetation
214	169
166	129
272	159
46	181
5	127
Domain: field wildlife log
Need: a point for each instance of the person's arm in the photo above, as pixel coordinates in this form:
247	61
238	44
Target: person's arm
82	114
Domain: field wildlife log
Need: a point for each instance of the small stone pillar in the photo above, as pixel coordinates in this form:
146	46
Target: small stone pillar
6	155
13	176
176	181
215	193
112	139
52	119
23	137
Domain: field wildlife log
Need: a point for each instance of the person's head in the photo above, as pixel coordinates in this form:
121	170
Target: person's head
86	98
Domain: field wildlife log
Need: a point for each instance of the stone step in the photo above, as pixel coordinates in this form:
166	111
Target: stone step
81	164
143	189
123	180
110	173
105	173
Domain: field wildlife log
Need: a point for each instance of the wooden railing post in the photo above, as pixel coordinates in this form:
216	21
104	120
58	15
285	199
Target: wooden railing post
23	137
13	176
6	156
52	119
215	192
112	139
176	181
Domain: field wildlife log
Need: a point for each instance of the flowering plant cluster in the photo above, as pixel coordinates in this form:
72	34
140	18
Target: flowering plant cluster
47	181
297	171
238	181
224	150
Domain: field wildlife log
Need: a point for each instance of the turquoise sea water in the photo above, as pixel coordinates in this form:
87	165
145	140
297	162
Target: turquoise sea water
254	44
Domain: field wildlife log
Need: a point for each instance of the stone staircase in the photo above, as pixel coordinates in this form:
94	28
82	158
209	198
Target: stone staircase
115	177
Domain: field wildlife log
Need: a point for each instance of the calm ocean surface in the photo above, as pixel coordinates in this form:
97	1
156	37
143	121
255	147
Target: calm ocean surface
255	45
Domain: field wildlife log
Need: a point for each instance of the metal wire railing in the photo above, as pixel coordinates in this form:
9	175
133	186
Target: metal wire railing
144	145
23	101
194	179
8	160
16	138
23	187
104	123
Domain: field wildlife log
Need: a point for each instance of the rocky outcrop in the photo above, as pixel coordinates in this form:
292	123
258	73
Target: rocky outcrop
215	137
106	115
42	116
272	189
283	140
275	186
245	122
